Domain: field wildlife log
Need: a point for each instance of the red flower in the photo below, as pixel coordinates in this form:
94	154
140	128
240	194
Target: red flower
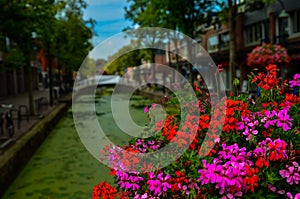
251	179
269	80
260	162
104	191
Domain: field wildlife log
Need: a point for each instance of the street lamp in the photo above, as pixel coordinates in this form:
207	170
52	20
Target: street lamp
283	14
283	24
283	32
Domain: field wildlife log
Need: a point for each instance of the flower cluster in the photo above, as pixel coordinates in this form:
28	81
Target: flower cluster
257	153
267	81
104	191
267	54
227	171
159	184
296	81
281	119
291	173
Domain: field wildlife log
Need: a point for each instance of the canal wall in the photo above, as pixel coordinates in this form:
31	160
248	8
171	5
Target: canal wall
15	158
157	96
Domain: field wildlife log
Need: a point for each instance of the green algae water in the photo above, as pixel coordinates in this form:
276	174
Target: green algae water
62	167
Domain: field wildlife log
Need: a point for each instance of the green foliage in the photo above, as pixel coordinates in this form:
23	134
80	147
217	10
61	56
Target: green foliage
14	59
90	68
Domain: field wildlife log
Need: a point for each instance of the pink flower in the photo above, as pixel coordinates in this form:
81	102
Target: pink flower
284	120
290	196
291	173
296	81
159	184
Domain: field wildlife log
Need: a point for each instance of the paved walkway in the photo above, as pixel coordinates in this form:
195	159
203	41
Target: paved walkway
25	126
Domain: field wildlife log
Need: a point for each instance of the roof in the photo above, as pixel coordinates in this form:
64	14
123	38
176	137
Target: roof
262	14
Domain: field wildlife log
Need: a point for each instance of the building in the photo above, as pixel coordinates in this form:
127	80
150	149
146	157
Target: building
13	76
277	23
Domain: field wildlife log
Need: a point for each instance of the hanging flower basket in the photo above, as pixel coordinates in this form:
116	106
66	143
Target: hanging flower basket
268	54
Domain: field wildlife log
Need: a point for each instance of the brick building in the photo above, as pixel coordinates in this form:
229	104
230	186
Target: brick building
277	23
14	79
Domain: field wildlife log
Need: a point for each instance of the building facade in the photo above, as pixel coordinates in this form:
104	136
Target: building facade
277	23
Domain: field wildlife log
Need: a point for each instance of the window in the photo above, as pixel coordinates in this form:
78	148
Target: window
295	18
212	44
283	30
254	34
257	32
224	41
225	78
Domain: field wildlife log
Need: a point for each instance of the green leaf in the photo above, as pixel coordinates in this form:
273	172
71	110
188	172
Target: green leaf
272	177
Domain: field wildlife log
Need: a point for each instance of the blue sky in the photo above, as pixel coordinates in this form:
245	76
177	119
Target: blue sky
109	15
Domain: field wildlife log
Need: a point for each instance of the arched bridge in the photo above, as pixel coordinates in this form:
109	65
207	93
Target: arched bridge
87	86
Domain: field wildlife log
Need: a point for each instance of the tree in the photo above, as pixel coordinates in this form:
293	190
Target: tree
129	59
18	23
65	38
232	11
229	14
73	34
184	16
39	23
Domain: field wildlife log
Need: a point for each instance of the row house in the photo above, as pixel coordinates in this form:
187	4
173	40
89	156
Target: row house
14	79
277	23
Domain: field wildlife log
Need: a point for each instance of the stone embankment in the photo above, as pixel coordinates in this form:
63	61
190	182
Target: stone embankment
13	160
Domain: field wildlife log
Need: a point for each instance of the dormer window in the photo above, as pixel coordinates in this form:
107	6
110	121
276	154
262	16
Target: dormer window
295	19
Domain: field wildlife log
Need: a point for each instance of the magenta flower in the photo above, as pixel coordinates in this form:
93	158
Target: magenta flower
190	185
155	186
146	109
143	146
144	196
159	184
290	196
296	81
269	118
291	173
227	171
249	124
284	120
127	181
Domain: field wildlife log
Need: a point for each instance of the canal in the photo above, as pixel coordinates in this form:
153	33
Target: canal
62	167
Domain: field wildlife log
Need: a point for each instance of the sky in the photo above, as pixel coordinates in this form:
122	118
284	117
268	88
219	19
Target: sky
109	15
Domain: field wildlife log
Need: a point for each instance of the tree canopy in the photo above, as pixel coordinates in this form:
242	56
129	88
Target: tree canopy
57	27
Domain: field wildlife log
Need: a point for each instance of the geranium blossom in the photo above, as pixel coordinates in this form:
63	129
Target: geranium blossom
158	184
291	173
296	81
267	54
255	153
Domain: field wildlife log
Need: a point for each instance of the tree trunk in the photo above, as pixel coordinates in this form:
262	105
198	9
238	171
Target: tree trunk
232	53
30	87
190	66
169	59
50	79
153	62
177	60
59	80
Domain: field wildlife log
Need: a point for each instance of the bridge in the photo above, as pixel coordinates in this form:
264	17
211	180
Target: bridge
87	86
99	80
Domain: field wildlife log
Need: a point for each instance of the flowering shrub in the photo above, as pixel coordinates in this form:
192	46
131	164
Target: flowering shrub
256	156
268	54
